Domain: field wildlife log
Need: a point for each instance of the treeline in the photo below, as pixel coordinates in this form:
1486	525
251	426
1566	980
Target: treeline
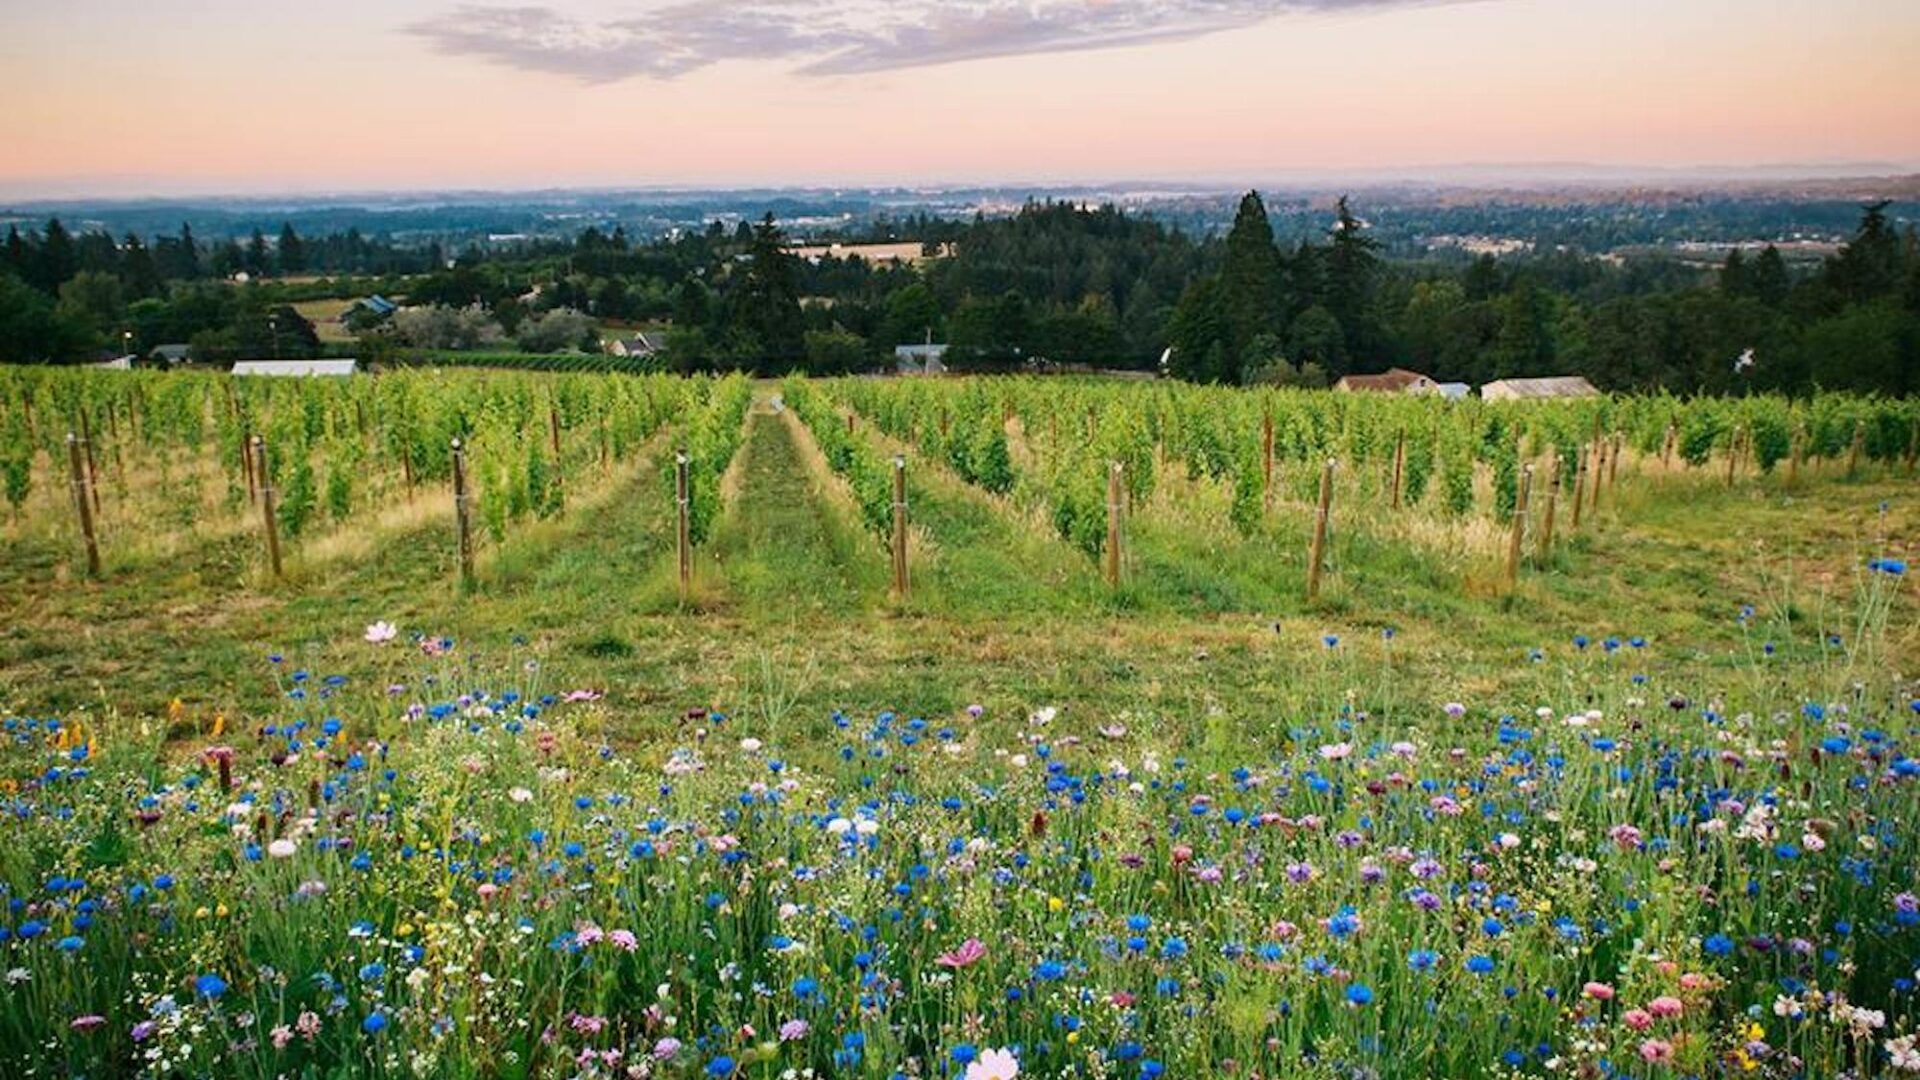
1052	284
1317	311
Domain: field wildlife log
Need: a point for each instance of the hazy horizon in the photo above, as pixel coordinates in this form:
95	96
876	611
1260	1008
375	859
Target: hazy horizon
438	95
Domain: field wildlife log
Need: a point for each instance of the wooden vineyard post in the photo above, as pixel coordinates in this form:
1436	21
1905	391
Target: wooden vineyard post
553	424
1913	446
1114	505
1733	453
683	533
1518	536
406	467
603	444
1399	466
1579	485
1266	462
1793	459
1613	461
246	465
849	422
1317	553
1553	502
93	471
1666	448
1853	452
900	526
83	504
1596	471
266	504
113	432
462	513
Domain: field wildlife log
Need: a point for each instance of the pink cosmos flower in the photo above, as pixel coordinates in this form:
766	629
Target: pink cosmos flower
1666	1006
970	952
1637	1019
1598	991
1656	1050
624	939
381	632
993	1065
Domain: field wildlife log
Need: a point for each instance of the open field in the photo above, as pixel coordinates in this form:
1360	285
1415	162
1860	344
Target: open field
908	253
1645	811
325	317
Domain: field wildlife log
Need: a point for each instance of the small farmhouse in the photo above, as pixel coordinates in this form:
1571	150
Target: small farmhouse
170	354
641	344
1392	381
927	359
377	306
1560	386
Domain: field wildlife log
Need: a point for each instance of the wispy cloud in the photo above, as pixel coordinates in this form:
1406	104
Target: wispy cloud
835	37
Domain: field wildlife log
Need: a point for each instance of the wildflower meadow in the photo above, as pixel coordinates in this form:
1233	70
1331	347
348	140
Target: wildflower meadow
1647	808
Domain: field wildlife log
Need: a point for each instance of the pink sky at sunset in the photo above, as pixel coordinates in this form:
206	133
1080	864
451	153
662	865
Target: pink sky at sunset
115	97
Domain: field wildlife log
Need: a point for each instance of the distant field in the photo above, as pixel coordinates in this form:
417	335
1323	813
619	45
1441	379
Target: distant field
325	317
909	252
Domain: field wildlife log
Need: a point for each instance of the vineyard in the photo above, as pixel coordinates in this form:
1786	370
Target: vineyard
515	723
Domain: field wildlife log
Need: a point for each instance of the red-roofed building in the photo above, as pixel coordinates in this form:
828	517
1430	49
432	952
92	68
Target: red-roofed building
1392	381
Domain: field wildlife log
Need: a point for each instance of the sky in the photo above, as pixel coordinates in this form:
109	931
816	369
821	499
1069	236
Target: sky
134	97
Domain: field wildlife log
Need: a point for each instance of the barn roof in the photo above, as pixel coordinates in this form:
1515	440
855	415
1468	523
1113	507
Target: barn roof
1391	381
1559	386
296	367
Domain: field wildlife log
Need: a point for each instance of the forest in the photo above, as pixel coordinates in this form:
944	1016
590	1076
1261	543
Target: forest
1049	285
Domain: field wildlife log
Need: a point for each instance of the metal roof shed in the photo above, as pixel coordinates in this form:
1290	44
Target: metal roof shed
296	367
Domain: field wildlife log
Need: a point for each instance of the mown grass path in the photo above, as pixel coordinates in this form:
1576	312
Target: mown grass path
782	546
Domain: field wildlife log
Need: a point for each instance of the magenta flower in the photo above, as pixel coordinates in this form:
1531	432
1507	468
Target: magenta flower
970	952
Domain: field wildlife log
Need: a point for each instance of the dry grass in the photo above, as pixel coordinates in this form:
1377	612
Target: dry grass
908	254
325	317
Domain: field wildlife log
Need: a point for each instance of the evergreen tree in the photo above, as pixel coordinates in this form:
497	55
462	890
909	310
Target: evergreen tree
56	262
1768	280
766	302
1249	283
1198	334
1870	264
255	260
17	256
1735	277
292	250
692	307
1483	280
137	272
912	314
1352	269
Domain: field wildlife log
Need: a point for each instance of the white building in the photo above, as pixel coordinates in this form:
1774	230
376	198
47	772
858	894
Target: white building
296	367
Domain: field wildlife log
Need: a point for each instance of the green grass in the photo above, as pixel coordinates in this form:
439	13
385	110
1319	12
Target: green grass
1002	610
1206	661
